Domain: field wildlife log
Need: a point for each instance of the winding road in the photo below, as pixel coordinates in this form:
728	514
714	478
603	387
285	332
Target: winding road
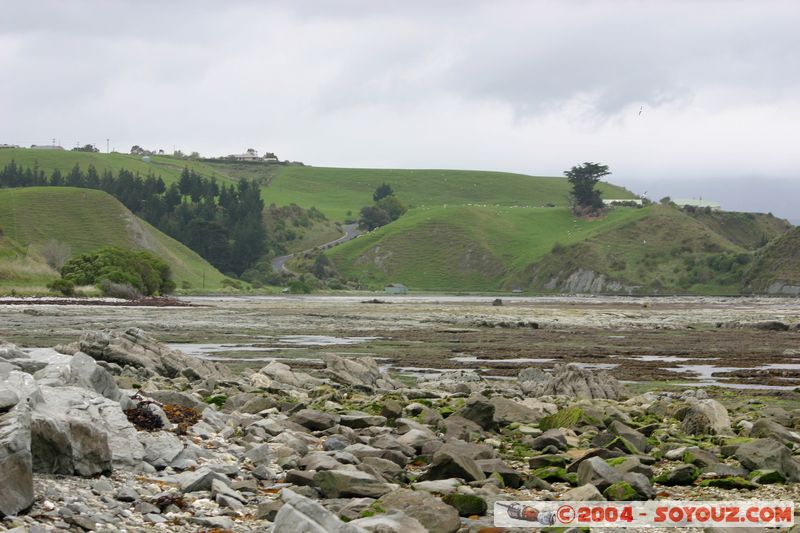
350	232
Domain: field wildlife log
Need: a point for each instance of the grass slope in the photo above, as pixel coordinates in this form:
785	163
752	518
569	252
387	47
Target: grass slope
169	168
660	250
20	269
647	250
86	220
334	191
465	247
749	230
337	191
776	268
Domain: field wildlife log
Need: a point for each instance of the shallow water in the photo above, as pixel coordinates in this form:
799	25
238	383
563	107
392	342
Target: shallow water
706	377
661	358
322	340
474	359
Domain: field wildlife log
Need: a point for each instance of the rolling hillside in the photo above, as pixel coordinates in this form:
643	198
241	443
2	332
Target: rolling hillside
85	220
338	192
169	168
465	248
465	231
629	250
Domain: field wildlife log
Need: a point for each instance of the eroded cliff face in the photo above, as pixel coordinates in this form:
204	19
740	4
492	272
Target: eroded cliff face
784	289
585	281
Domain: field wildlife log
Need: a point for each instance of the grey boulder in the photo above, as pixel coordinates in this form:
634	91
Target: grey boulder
769	454
434	515
706	417
362	373
598	473
16	466
303	515
136	348
350	483
394	522
574	382
160	448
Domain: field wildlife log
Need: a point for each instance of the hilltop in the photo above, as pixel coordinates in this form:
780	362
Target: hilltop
85	220
339	193
168	167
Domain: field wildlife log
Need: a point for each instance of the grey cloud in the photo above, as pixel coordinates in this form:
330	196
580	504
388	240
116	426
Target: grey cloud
509	85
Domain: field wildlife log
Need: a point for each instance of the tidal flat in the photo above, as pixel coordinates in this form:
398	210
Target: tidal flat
746	343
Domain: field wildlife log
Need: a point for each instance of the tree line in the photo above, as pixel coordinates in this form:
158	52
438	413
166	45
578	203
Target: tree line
221	222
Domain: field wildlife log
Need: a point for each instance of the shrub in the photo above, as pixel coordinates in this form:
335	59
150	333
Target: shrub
141	270
64	286
299	286
232	283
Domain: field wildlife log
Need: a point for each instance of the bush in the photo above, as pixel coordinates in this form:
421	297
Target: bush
300	286
64	286
111	266
232	283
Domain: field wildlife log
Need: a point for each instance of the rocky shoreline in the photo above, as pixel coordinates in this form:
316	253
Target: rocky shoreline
118	432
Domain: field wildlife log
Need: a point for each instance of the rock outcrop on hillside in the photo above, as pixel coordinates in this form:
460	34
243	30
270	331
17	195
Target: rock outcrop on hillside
349	449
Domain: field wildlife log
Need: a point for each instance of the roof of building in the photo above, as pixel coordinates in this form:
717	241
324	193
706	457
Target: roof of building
622	200
695	202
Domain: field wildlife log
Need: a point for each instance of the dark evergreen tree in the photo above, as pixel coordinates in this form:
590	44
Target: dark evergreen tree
92	179
75	177
382	192
583	179
55	178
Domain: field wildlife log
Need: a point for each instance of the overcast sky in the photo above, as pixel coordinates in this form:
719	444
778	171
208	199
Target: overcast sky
532	87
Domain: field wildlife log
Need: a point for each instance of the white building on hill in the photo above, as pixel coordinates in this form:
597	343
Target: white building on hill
696	202
46	147
249	155
622	201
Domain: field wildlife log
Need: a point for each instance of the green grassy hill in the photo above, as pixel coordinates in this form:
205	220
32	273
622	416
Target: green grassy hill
665	250
629	250
749	230
334	191
337	191
465	248
466	230
168	167
85	220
